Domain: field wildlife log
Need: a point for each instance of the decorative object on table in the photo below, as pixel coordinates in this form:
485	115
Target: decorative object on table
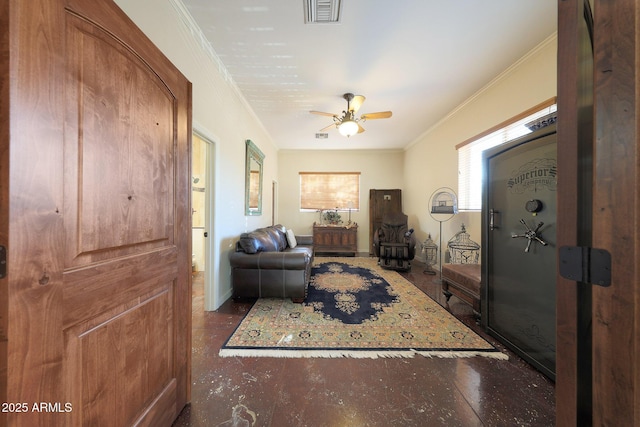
332	217
355	309
350	207
462	249
430	251
444	205
394	243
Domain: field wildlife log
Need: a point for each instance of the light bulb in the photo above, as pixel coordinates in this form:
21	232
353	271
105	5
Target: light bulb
348	128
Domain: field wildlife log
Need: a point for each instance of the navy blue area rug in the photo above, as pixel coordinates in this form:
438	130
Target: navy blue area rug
355	309
348	293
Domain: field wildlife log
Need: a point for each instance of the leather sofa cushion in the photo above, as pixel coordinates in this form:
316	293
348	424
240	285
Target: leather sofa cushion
277	233
308	250
268	239
257	241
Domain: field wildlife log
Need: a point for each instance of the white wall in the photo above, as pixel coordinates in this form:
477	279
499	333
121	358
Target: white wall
379	169
220	114
431	161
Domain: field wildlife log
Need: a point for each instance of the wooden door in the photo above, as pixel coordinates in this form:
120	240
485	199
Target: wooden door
381	202
598	339
98	239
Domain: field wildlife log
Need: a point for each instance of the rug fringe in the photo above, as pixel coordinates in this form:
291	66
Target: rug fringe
460	354
356	354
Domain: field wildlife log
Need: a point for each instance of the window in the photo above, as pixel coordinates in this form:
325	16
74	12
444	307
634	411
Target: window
470	152
329	190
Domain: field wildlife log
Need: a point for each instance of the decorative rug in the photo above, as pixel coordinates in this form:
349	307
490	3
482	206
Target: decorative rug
355	309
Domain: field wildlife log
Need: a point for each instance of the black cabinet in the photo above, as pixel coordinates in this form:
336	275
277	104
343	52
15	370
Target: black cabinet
519	250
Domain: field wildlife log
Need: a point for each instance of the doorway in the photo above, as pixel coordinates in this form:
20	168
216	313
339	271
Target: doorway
198	204
202	185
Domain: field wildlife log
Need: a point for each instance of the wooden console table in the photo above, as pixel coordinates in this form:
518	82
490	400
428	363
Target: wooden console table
335	239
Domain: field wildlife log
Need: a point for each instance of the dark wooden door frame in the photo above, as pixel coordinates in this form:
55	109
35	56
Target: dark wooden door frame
598	339
570	298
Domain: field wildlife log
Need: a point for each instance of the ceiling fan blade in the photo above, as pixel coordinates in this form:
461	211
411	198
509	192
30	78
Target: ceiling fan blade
360	128
323	114
378	115
356	103
327	128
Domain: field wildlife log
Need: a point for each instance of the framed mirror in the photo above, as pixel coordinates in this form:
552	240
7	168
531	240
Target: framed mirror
253	180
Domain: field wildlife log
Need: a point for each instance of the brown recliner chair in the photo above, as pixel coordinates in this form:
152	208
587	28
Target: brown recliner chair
394	243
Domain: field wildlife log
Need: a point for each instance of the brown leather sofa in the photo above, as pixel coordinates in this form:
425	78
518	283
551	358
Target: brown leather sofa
265	265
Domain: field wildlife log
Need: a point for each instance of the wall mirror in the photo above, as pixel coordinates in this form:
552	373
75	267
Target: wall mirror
253	180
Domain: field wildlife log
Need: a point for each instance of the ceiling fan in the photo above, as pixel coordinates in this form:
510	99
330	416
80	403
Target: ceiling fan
348	124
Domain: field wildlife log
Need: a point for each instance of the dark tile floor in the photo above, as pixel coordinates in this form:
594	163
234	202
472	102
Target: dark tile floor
421	391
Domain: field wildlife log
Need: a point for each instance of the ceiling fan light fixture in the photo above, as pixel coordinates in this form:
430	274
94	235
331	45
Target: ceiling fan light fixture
347	123
348	128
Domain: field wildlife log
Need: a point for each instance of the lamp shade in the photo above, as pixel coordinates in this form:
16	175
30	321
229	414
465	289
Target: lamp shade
348	128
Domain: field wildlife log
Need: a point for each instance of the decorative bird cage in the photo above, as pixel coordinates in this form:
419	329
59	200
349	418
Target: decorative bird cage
444	205
430	251
444	202
462	249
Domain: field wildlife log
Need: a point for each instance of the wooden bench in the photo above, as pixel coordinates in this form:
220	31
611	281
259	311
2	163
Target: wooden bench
463	281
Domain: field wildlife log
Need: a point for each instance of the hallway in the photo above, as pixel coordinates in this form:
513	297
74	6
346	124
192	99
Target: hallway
358	392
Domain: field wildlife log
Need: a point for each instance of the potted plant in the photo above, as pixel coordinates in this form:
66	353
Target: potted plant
332	217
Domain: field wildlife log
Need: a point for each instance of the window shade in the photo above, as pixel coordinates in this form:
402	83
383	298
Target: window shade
470	153
329	190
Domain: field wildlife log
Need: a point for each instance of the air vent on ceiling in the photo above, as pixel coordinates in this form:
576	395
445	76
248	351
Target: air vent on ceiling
322	11
322	135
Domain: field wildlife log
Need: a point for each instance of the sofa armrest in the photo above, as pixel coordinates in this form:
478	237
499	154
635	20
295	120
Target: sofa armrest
270	260
305	239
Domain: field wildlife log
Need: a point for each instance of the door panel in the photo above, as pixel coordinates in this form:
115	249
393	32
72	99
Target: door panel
100	146
121	281
134	341
114	96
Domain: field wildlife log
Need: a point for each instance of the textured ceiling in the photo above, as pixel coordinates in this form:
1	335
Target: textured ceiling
417	58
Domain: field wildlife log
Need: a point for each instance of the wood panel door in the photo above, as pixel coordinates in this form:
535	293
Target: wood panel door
97	323
598	339
381	202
